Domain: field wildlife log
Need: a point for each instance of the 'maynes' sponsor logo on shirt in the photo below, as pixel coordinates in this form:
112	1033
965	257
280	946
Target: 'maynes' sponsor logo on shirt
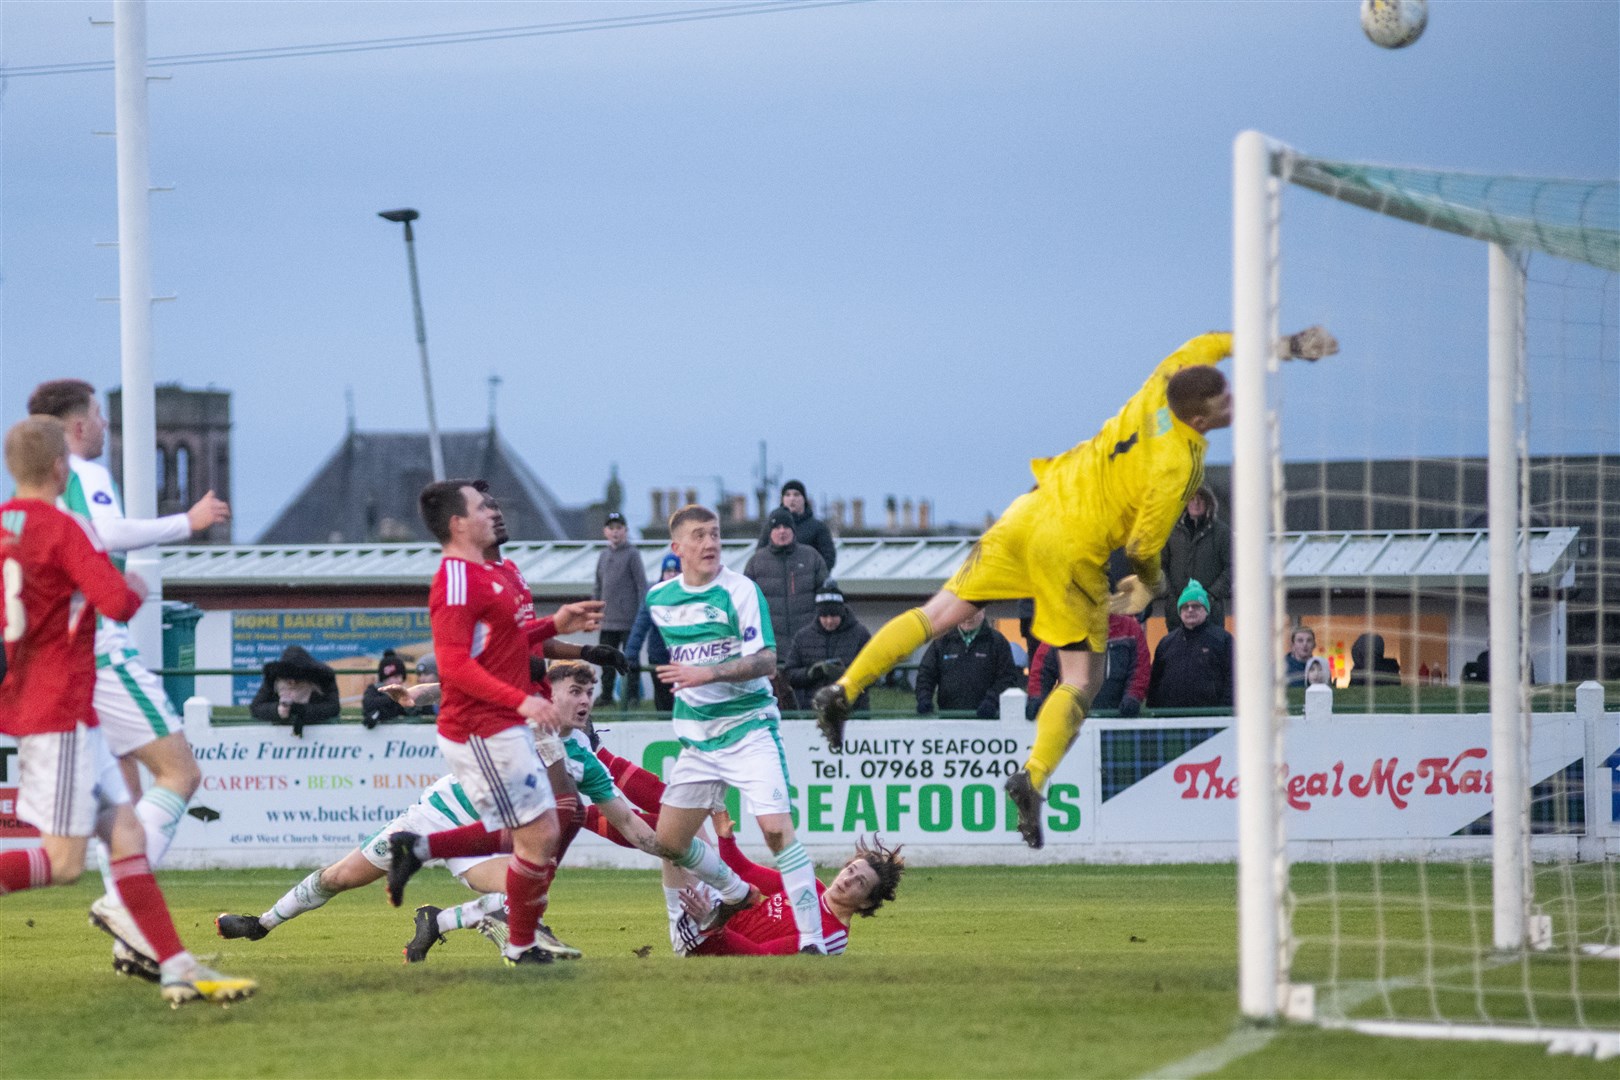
703	652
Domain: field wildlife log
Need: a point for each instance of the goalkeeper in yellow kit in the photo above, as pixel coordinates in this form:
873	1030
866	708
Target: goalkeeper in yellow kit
1124	487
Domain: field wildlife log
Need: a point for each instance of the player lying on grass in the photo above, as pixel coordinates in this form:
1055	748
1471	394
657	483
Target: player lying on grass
869	878
1123	488
58	581
573	688
444	805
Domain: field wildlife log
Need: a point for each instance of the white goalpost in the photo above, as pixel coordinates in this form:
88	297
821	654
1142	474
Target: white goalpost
1469	935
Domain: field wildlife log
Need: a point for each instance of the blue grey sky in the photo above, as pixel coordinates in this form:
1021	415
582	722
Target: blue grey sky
909	244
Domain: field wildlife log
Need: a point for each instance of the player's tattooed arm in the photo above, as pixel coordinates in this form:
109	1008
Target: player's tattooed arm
681	676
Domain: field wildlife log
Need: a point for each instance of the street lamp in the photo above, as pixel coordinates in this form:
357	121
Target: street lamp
435	448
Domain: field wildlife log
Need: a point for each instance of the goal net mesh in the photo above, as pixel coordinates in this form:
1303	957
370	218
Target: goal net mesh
1380	500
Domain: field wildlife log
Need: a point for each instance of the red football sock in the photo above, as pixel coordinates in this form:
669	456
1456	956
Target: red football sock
526	888
465	842
21	870
571	818
140	893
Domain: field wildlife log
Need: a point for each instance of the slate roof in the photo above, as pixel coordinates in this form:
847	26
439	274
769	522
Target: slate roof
366	491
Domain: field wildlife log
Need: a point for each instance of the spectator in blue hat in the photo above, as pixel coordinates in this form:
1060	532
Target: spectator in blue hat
657	652
1192	667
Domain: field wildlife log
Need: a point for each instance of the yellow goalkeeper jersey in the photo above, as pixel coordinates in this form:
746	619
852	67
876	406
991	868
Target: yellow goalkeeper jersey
1125	486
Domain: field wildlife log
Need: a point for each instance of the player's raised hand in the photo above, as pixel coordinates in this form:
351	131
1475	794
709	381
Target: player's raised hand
580	617
210	510
1131	597
410	696
723	825
1311	343
605	656
541	714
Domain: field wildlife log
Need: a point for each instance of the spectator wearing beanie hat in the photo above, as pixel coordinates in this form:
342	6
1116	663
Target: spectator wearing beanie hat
645	631
1192	667
820	652
376	707
807	528
789	574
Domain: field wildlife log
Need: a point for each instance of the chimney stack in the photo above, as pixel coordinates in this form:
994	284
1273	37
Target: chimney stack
925	516
658	507
906	520
857	514
890	504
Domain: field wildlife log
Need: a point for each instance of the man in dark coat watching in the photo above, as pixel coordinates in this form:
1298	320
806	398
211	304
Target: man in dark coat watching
968	666
822	650
789	574
298	689
1192	668
621	585
1199	549
807	528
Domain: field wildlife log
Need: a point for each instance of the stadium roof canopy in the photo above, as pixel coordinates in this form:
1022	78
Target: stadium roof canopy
887	566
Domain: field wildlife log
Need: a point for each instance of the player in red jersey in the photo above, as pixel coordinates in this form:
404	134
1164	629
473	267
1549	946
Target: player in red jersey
482	647
56	579
768	929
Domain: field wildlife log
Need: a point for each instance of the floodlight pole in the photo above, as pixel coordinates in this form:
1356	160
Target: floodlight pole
135	310
435	447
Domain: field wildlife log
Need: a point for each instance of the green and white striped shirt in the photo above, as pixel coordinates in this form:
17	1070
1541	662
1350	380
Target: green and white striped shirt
723	620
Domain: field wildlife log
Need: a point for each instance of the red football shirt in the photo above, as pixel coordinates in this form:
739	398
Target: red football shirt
481	647
537	631
768	929
57	577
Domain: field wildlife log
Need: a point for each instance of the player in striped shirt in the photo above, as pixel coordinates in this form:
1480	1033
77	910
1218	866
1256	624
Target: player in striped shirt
722	655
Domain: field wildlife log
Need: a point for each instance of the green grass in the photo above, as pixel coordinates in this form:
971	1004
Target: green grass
1061	971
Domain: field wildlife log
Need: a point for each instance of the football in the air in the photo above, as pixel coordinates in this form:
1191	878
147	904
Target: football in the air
1394	24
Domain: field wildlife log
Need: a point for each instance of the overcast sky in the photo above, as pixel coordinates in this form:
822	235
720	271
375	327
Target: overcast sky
910	245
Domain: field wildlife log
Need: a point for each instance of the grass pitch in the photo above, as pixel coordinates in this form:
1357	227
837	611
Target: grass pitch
1063	971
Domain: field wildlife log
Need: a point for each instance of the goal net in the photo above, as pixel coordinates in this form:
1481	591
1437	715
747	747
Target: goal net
1430	520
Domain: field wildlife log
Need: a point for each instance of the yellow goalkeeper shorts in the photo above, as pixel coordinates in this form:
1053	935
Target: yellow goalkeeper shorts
1031	551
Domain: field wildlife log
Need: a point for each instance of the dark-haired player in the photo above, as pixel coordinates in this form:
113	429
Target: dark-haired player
869	878
1123	488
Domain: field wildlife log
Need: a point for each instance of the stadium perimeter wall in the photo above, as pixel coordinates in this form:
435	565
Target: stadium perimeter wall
1131	791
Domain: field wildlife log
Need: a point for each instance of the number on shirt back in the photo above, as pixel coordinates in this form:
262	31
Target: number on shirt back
16	614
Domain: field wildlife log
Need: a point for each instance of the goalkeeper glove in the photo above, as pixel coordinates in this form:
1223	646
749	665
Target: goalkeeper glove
1312	343
605	656
1131	597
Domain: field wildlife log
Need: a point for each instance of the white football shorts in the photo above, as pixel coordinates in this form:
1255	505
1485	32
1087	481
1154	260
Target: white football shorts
67	779
420	819
131	704
502	775
755	765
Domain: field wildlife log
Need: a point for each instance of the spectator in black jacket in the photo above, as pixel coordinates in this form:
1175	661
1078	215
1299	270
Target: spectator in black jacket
1192	668
1370	667
807	528
1199	549
967	668
621	585
298	689
789	574
376	707
822	650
